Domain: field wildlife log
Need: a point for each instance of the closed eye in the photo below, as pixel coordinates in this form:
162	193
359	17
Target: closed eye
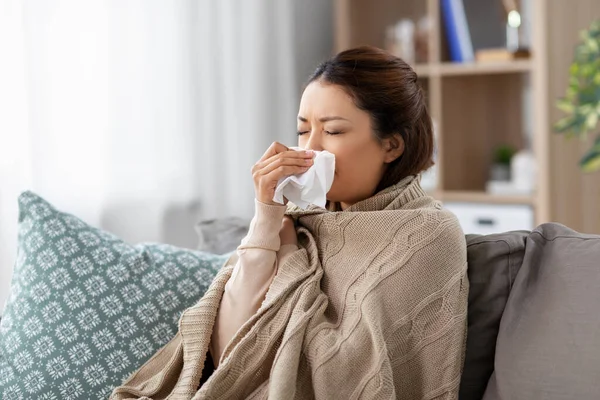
300	133
332	132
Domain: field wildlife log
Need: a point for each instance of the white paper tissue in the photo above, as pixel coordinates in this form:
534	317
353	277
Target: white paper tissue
310	187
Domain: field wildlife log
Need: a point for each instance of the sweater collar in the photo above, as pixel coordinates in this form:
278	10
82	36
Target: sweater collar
392	198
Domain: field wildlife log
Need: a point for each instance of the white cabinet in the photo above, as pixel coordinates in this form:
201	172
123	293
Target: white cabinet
491	218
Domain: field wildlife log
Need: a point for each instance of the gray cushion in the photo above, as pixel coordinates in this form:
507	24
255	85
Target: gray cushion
221	235
548	343
494	261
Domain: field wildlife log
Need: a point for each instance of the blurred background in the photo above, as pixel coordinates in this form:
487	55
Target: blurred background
144	117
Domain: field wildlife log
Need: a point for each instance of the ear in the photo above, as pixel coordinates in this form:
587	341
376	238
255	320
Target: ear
393	148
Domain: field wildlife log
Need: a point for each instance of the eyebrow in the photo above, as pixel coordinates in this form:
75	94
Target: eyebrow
325	119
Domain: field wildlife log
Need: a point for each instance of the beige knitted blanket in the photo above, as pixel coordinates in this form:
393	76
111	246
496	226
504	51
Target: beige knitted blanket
372	306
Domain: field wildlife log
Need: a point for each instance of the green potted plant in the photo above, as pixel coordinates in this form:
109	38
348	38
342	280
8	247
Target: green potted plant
581	103
500	170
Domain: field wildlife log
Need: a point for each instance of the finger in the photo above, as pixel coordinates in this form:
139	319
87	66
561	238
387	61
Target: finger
290	154
274	148
285	162
272	177
278	160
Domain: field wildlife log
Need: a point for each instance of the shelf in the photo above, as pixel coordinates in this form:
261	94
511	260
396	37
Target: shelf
481	68
482	197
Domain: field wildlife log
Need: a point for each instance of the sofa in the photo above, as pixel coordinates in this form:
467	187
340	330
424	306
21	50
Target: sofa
534	311
86	309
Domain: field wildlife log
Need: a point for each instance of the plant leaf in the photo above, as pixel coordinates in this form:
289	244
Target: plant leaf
565	105
591	161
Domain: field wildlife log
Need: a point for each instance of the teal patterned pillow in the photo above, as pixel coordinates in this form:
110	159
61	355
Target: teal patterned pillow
87	309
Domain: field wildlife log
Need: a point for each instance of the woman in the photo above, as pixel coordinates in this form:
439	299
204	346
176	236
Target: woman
364	299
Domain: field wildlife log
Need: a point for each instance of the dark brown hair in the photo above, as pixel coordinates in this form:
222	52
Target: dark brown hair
386	87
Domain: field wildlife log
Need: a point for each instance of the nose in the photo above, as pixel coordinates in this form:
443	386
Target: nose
314	142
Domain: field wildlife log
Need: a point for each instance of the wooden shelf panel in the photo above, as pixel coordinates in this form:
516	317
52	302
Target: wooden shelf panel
466	69
482	197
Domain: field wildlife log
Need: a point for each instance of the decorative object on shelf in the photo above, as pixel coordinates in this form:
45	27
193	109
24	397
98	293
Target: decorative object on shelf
422	40
582	100
523	172
400	40
513	25
513	174
500	170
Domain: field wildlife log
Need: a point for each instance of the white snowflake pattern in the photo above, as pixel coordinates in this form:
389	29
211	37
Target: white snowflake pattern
34	382
153	281
147	313
188	288
21	258
159	258
118	273
188	261
74	223
88	319
204	277
25	227
117	361
6	374
105	392
137	265
140	347
133	294
28	275
125	326
170	270
74	298
47	396
34	242
88	239
95	286
58	367
60	278
161	333
111	305
12	342
43	347
40	292
39	211
95	374
47	259
176	318
122	248
21	308
82	265
103	339
53	228
33	327
22	361
67	246
66	332
12	393
70	389
52	312
167	300
103	255
80	354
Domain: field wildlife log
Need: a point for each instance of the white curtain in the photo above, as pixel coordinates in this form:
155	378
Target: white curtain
144	116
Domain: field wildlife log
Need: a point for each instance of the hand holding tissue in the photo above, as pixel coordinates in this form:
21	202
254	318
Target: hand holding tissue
312	186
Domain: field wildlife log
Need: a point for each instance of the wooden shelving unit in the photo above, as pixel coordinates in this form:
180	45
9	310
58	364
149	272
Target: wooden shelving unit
478	106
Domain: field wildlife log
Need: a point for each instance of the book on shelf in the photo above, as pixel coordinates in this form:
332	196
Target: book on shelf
457	31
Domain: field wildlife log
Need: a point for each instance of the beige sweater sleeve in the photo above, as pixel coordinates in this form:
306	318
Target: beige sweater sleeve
258	257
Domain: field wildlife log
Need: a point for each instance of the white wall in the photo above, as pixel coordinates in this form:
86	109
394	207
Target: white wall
139	183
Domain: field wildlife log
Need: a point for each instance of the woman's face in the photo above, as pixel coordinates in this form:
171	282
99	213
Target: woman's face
329	120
